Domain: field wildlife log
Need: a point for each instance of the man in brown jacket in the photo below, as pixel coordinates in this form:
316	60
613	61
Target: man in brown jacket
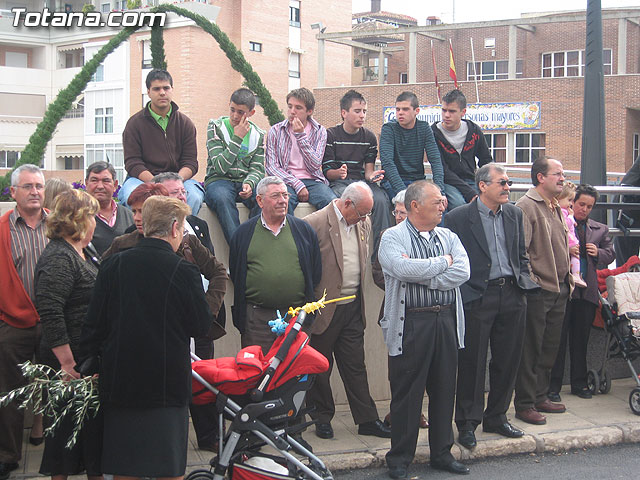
343	229
160	138
548	249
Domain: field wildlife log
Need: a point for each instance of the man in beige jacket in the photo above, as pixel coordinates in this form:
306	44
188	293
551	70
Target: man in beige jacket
548	249
343	229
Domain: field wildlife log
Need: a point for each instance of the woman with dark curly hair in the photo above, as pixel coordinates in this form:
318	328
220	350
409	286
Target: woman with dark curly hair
64	278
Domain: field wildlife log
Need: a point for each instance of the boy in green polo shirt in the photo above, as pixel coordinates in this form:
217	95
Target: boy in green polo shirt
235	161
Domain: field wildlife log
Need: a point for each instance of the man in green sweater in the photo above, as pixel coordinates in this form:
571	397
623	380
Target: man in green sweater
235	161
403	143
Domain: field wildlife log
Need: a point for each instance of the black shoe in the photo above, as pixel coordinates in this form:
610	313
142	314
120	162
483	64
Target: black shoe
554	397
324	430
398	473
298	438
581	392
36	440
6	469
375	428
467	439
506	430
453	467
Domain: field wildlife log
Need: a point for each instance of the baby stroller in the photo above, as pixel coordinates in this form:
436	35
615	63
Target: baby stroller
621	315
261	396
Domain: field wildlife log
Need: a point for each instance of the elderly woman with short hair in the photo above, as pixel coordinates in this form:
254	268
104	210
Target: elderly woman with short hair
64	279
147	304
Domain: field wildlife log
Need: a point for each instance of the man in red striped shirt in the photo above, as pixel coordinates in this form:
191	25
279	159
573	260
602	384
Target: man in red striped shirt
22	240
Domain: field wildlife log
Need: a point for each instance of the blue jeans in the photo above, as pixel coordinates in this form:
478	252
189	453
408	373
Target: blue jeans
221	197
195	192
454	197
319	195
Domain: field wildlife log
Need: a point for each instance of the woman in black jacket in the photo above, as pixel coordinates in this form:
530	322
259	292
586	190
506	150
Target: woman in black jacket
147	304
64	279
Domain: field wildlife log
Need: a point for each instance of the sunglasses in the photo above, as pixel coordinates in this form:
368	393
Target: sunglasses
502	183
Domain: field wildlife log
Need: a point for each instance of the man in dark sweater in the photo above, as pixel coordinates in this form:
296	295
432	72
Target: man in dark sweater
403	143
460	142
112	219
159	138
350	156
275	263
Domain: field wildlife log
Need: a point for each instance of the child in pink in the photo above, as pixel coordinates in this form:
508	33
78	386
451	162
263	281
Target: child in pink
565	200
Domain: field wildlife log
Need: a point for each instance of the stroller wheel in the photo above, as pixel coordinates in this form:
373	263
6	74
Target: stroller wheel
200	475
634	400
593	382
605	382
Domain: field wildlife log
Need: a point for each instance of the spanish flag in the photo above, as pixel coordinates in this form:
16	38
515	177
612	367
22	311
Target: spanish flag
452	66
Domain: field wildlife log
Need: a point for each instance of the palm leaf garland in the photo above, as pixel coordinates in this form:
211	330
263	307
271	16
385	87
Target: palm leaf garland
158	59
50	394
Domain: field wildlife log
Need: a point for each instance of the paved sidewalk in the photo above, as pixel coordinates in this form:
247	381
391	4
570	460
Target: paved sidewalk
602	420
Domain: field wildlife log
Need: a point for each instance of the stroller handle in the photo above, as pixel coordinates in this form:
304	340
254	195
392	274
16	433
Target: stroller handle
257	393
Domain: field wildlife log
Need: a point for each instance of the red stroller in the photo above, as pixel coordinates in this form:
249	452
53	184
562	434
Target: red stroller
261	395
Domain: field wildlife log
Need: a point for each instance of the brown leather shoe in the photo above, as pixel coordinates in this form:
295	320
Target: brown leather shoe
547	406
531	415
422	424
423	421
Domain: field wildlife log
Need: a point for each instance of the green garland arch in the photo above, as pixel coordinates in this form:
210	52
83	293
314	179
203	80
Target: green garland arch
38	141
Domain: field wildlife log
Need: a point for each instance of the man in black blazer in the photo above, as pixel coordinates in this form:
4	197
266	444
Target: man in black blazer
492	232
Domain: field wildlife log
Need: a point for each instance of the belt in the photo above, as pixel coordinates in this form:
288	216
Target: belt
501	281
435	308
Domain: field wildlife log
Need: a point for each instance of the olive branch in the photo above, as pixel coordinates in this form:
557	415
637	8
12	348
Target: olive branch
51	393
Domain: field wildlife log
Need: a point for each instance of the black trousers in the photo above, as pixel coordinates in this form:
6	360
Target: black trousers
428	361
343	340
545	314
205	417
17	345
576	328
496	319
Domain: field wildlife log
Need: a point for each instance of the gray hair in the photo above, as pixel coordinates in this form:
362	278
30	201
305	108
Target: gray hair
356	192
166	176
263	184
417	191
27	167
399	198
484	172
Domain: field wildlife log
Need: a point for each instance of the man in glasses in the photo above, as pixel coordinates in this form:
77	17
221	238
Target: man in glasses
343	228
22	240
548	249
275	263
492	232
460	142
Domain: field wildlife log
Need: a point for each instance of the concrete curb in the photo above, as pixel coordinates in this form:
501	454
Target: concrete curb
497	447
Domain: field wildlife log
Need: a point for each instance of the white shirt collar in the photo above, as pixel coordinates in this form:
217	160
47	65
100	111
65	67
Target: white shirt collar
341	219
277	232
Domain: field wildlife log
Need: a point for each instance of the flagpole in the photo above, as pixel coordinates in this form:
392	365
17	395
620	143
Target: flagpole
475	73
435	73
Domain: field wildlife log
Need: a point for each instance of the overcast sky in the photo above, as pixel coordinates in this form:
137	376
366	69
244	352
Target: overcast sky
474	10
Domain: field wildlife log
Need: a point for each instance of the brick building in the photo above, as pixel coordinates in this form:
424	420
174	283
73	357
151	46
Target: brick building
534	60
275	36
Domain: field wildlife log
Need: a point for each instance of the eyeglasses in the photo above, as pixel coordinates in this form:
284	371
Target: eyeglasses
368	214
502	183
276	196
27	187
397	213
